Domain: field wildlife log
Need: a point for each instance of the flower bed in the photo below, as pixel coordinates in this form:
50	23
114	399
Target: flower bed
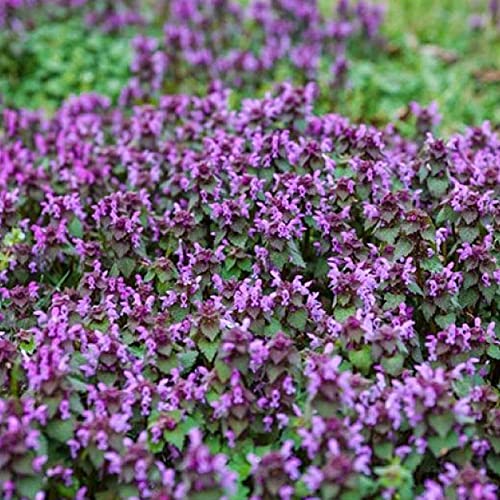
198	302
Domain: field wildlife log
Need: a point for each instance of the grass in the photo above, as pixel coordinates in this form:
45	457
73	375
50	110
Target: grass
58	59
432	54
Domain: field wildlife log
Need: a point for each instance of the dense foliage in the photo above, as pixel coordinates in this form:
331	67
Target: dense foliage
217	295
189	291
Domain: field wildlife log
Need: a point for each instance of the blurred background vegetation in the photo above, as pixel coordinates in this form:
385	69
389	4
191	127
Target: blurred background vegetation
432	53
59	58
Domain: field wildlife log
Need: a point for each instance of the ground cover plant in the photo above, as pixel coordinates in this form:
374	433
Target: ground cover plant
226	289
370	59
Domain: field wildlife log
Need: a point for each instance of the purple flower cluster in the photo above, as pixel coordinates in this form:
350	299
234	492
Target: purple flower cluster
248	46
203	302
109	15
484	14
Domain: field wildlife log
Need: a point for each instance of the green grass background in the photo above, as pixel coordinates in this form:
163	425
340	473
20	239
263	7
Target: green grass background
423	34
431	54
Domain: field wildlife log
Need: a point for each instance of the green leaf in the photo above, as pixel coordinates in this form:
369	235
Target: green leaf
342	313
392	301
394	364
462	386
415	288
245	265
467	298
150	276
229	263
495	442
235	272
413	460
128	491
29	486
366	487
403	248
362	359
320	267
429	234
210	329
96	457
165	365
442	424
493	462
433	264
392	476
279	259
446	214
469	215
106	495
13	237
23	465
428	310
470	279
29	346
187	424
126	266
298	319
460	456
437	186
384	450
273	327
188	359
295	255
238	240
441	445
468	233
488	292
223	370
387	235
494	351
78	385
75	228
445	320
238	426
209	349
240	465
60	430
175	437
178	313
